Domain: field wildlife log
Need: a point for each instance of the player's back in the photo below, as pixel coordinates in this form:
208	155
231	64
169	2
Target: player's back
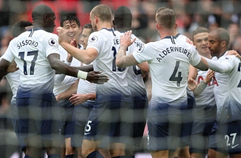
30	51
169	61
107	43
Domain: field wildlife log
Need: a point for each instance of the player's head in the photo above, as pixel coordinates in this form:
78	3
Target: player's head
200	40
218	40
166	18
43	16
87	30
71	23
20	27
122	18
100	14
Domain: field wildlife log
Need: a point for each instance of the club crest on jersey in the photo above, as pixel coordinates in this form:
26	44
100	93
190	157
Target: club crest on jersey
227	58
141	48
94	38
52	41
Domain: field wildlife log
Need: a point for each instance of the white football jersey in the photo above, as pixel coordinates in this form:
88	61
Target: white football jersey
68	80
30	51
107	42
228	92
169	61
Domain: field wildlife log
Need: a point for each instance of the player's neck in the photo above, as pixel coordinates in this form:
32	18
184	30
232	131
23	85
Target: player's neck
221	53
166	33
106	25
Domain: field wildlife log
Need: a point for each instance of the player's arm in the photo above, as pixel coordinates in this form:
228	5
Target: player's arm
86	56
63	68
203	84
4	64
66	94
220	67
144	69
123	60
202	65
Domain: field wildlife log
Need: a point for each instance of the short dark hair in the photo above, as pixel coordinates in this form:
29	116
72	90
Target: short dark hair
41	10
123	17
69	17
200	30
19	27
88	26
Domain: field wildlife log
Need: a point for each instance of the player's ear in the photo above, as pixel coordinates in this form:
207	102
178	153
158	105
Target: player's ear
223	44
113	22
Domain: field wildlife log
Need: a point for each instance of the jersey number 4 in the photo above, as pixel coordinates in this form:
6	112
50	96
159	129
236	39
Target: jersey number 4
30	53
176	76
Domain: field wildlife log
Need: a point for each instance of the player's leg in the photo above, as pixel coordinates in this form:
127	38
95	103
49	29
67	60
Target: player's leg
80	118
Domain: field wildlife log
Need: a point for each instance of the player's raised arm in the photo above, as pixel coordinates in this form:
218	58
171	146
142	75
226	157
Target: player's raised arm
123	60
86	56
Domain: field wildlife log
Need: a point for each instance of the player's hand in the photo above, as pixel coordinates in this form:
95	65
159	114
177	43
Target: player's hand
125	40
189	41
74	43
209	76
96	77
12	67
234	52
62	34
192	84
78	98
69	58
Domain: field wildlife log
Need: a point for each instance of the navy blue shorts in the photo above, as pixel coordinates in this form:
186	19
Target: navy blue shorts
80	117
225	138
38	115
168	127
201	130
139	112
14	120
66	110
110	121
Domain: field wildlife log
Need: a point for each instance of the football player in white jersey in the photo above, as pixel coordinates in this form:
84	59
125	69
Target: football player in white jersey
13	77
36	54
84	100
205	110
168	61
225	139
122	22
108	121
72	24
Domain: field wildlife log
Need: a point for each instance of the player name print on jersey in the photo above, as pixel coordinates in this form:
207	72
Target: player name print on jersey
27	42
171	50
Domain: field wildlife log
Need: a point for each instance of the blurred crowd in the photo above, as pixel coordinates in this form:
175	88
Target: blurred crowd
190	15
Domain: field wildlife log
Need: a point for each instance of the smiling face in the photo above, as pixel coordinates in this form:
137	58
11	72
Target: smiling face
73	30
200	40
